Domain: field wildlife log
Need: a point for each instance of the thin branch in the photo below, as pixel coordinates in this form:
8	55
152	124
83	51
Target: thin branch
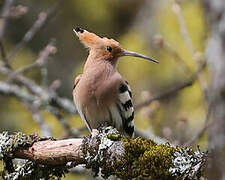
75	132
177	58
183	27
40	62
160	43
38	24
23	69
173	90
200	76
24	96
45	96
16	12
200	133
197	56
5	13
166	94
44	75
14	90
33	103
45	128
30	33
4	56
64	123
147	134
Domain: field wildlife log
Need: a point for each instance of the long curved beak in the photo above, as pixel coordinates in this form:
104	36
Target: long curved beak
134	54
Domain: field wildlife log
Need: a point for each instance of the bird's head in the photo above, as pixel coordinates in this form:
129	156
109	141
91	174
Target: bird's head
105	48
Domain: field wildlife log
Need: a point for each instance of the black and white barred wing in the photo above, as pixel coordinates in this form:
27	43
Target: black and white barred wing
126	109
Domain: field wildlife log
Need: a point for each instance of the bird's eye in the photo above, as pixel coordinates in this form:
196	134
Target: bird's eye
109	48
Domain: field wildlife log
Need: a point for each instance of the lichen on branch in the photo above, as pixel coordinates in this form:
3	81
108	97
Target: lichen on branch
139	158
10	144
105	151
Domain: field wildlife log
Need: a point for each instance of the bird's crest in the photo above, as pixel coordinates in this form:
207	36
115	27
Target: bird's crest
108	48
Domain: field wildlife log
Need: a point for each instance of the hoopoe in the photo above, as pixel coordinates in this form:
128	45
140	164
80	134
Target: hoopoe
101	94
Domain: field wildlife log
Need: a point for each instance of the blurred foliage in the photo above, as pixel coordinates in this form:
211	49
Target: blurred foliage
182	114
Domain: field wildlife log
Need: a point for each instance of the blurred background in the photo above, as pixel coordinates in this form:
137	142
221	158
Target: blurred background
173	99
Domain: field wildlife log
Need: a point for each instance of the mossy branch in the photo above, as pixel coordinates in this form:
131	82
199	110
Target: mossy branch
105	151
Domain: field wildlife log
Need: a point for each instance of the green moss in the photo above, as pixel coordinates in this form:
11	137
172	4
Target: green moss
144	159
114	137
139	158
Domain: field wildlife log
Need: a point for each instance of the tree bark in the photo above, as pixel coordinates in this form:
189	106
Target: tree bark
215	12
105	151
53	152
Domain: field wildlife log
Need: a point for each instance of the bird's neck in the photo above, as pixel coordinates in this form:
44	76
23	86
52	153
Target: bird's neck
95	60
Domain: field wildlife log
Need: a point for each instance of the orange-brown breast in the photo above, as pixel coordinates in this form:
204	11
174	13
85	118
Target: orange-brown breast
96	91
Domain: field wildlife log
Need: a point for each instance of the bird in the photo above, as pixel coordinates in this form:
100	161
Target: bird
101	94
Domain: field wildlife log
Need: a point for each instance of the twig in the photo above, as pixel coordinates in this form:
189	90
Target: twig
177	57
64	123
14	90
15	12
40	62
38	24
199	134
3	54
195	54
166	94
207	124
45	129
75	132
34	103
45	96
173	90
177	10
44	75
24	96
30	33
5	13
159	42
147	134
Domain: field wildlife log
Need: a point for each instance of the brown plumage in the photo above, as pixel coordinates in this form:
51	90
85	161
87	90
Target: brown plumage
101	94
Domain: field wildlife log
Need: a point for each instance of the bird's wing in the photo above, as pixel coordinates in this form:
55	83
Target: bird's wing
76	81
126	109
